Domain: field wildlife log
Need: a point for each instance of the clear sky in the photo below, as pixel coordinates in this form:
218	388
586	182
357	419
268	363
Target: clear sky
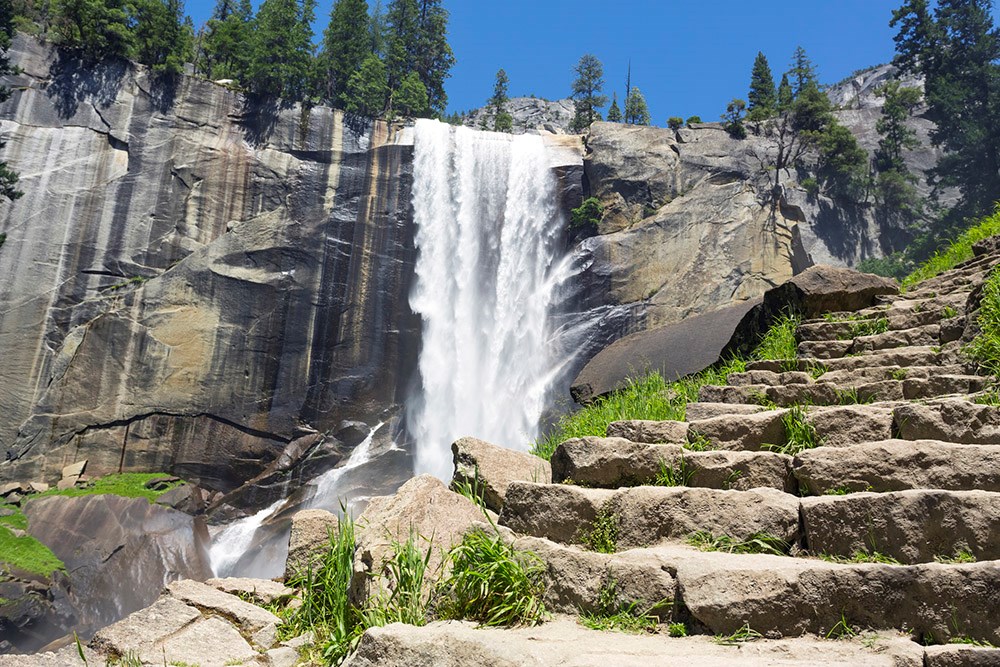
688	57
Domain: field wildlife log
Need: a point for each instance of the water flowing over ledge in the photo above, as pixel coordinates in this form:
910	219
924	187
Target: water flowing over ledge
489	267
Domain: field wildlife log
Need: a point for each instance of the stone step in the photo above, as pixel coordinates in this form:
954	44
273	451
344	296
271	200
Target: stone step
615	462
879	373
646	515
910	526
908	356
898	465
699	410
927	335
950	420
793	596
564	641
845	326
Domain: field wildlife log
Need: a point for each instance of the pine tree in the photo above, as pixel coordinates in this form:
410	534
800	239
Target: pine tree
614	112
346	44
8	177
956	50
377	29
410	101
417	41
803	71
733	119
368	89
587	97
636	110
97	29
280	63
502	120
785	95
763	98
895	191
224	45
160	36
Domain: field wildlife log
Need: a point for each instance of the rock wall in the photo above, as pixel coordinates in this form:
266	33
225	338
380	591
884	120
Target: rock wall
191	279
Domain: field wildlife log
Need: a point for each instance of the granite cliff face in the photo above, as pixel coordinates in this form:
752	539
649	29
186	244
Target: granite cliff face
191	280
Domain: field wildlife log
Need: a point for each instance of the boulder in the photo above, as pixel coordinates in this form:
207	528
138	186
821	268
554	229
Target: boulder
953	420
492	468
422	509
74	470
958	655
118	551
740	471
842	426
308	540
558	512
674	350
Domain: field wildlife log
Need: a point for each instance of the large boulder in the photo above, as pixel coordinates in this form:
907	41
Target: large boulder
674	350
491	468
118	551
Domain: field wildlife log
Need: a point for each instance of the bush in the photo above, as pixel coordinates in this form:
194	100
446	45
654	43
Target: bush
693	120
811	186
897	265
587	215
675	122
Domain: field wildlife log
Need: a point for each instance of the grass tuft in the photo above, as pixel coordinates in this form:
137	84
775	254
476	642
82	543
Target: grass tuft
744	634
984	349
613	614
602	536
758	543
800	435
779	344
676	474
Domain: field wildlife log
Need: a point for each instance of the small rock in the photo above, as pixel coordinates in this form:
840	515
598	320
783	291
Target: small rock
74	469
67	483
262	591
308	540
38	487
11	487
250	617
161	483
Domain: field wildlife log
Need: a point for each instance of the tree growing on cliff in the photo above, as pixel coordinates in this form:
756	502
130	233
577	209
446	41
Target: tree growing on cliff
732	120
803	71
368	88
502	120
410	100
96	29
346	44
636	109
417	42
224	53
8	177
281	50
587	97
957	51
785	95
162	40
614	111
895	192
763	97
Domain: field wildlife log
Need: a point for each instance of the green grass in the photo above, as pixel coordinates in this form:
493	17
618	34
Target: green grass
958	251
779	344
800	435
988	397
758	543
861	557
677	630
614	614
959	557
27	553
675	474
842	630
984	349
492	583
127	485
602	535
744	634
858	328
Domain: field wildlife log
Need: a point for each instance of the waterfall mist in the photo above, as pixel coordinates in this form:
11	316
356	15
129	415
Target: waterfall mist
489	265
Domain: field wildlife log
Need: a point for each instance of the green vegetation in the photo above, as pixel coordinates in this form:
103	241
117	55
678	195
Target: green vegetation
614	111
407	599
732	120
677	630
26	553
758	543
988	397
763	96
958	251
851	396
587	96
860	557
587	215
492	583
675	123
744	634
778	343
866	327
614	614
961	555
800	435
472	489
895	187
675	474
984	349
497	105
127	485
842	630
8	178
602	535
636	109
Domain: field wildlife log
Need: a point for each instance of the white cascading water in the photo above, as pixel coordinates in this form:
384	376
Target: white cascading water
489	263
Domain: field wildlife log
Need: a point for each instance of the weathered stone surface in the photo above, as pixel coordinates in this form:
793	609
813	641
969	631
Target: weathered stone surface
557	512
610	462
950	421
64	657
493	468
424	509
699	411
248	617
846	425
742	432
211	642
898	465
674	350
146	627
740	471
643	430
957	655
910	526
529	114
118	551
74	470
308	540
566	642
726	591
262	591
574	578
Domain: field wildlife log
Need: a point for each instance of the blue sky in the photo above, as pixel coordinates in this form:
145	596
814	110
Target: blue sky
688	57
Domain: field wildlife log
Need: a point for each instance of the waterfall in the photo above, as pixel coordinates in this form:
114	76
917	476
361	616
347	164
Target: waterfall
489	264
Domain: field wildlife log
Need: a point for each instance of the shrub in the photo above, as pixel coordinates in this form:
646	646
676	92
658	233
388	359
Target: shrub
897	265
675	122
693	120
602	536
587	215
492	583
811	186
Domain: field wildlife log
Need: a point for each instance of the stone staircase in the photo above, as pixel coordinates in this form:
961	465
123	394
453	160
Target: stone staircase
866	463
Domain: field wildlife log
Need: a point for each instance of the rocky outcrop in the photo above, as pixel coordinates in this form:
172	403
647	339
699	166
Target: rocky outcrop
529	114
487	470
